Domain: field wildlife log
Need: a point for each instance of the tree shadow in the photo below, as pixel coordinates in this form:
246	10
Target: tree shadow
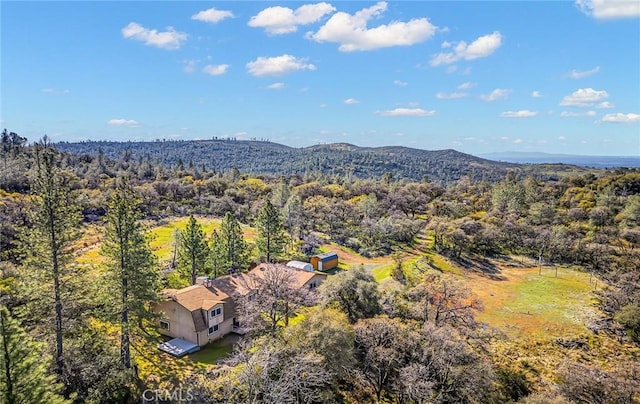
481	266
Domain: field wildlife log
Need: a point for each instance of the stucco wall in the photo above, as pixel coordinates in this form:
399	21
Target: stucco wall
180	321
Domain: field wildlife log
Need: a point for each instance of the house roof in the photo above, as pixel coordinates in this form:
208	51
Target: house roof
301	276
196	297
326	255
234	285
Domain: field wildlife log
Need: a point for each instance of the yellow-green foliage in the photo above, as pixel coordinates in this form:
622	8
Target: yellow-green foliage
382	272
336	190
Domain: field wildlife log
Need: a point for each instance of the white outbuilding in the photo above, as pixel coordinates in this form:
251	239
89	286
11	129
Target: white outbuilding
300	265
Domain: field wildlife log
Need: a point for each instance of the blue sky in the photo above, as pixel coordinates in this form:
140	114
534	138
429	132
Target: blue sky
557	77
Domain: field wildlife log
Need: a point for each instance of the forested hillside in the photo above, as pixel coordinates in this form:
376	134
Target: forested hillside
522	289
261	157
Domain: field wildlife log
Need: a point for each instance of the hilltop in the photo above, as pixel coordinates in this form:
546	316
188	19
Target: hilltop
342	159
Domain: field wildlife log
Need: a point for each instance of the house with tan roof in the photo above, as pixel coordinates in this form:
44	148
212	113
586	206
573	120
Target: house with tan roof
204	312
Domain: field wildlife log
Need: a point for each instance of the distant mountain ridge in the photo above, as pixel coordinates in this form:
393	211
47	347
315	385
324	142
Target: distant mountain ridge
343	159
572	159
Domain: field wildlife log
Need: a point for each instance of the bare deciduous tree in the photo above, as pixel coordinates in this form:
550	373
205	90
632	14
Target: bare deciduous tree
274	296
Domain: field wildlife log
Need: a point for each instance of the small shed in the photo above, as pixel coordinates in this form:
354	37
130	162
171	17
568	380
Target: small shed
300	265
324	262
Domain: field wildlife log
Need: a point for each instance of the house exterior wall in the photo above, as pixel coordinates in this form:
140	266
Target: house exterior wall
225	328
316	280
180	321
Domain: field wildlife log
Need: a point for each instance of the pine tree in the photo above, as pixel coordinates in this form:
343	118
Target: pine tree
293	216
133	271
217	256
229	250
23	372
193	250
270	240
47	245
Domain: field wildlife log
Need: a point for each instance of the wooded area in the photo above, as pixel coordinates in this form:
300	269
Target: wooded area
78	330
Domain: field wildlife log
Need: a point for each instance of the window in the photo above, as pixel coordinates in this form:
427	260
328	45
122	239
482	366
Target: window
215	312
312	285
213	329
164	325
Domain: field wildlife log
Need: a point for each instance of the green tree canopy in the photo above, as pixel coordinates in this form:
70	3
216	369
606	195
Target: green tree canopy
193	250
24	378
355	292
47	245
133	271
271	238
229	250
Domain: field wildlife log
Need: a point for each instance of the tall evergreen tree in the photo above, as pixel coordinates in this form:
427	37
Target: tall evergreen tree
229	250
217	256
23	373
193	250
133	270
293	216
270	240
47	244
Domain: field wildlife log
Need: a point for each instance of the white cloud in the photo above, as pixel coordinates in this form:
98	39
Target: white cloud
400	83
574	74
518	114
55	91
189	66
406	112
323	105
605	104
510	140
609	9
497	94
583	97
352	33
621	118
351	101
212	15
450	96
465	86
283	20
169	39
130	123
278	65
562	138
480	48
536	94
569	114
215	70
276	86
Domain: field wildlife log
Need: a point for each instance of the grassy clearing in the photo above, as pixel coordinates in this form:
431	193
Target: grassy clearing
162	238
154	364
525	303
349	258
163	235
382	272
